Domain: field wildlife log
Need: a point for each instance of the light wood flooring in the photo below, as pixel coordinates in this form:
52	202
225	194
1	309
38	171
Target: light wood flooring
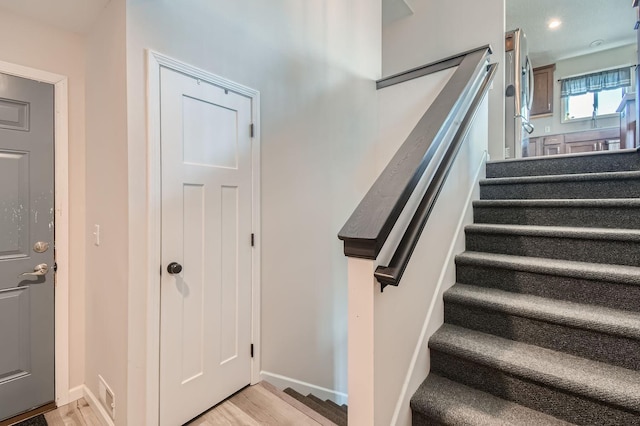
257	405
78	413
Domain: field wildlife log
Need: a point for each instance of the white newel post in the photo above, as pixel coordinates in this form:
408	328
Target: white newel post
361	354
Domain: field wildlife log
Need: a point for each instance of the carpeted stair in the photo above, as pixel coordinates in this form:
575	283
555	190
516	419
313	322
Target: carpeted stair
543	324
328	409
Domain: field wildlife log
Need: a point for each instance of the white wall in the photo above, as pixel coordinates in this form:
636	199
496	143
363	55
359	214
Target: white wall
314	64
29	43
438	29
620	56
106	184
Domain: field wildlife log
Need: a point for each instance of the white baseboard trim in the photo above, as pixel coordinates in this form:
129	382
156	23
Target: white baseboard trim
75	393
283	382
404	398
97	408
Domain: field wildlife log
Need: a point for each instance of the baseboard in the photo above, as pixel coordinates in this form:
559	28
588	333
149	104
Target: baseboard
421	346
75	393
283	382
97	408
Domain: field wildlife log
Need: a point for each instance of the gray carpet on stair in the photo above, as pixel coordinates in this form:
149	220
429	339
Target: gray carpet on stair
453	403
609	213
599	162
601	319
595	339
544	319
584	287
577	186
565	405
597	380
598	245
553	267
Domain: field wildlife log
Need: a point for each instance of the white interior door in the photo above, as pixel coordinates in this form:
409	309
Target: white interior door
205	324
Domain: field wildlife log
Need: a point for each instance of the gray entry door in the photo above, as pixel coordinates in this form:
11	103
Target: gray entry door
26	229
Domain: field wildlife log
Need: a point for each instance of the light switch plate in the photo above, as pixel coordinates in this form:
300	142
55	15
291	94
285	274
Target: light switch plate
96	235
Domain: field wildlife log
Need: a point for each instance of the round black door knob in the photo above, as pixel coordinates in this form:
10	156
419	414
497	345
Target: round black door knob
174	268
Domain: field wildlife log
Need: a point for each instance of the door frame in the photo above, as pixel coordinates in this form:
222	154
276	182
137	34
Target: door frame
61	218
156	61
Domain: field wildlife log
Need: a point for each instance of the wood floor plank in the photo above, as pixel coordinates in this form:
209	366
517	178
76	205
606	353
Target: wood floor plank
267	409
297	404
86	412
76	413
53	418
66	415
225	414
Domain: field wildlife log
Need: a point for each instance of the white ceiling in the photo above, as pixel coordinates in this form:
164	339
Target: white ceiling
583	21
72	15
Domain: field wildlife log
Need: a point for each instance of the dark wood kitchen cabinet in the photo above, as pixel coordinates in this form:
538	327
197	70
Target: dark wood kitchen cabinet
553	145
543	91
575	142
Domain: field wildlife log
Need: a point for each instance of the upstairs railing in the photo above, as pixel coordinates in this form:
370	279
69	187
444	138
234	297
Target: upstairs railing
437	137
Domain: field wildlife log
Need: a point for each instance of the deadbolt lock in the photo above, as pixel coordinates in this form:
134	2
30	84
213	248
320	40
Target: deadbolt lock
40	247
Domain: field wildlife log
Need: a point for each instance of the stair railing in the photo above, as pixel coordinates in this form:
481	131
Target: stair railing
437	137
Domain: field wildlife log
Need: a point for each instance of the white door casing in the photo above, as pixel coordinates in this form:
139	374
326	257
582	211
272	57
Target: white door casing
209	179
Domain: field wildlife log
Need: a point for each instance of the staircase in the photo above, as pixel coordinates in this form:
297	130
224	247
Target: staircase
328	409
543	324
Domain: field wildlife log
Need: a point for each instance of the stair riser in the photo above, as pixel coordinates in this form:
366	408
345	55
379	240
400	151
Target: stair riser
338	416
319	407
566	165
582	250
579	290
591	344
567	406
587	189
419	419
593	217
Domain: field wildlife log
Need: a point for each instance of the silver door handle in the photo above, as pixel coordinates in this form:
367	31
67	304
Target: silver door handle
38	271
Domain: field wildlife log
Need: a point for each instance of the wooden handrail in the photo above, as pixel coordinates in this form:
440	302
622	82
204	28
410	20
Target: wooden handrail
368	228
391	275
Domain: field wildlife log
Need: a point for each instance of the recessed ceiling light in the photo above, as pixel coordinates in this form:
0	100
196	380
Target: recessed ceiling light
554	23
596	43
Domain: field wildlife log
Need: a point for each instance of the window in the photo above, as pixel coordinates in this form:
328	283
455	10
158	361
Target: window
593	95
583	106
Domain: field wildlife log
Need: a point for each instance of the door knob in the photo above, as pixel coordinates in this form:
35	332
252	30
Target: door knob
38	271
174	268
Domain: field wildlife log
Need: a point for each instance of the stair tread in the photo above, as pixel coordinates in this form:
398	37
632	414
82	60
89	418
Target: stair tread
561	202
546	158
596	271
602	319
450	402
597	380
557	231
573	177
